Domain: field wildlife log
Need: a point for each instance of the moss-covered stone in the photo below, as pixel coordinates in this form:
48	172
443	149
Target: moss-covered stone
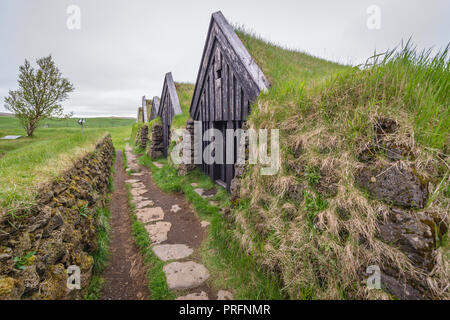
56	230
397	185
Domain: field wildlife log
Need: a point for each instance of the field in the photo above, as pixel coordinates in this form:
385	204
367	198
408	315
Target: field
29	161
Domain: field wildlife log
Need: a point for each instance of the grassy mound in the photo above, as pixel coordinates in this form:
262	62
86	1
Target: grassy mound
185	92
310	223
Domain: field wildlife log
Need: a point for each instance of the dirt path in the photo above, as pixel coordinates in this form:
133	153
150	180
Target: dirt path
176	233
125	275
185	228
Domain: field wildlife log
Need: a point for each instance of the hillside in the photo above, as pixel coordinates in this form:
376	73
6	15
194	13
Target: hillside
27	163
364	177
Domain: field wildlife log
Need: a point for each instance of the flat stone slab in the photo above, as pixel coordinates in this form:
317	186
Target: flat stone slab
199	191
214	203
195	296
137	192
144	204
147	215
158	231
158	165
166	252
185	275
194	184
140	174
11	137
175	208
138	199
138	185
132	181
224	295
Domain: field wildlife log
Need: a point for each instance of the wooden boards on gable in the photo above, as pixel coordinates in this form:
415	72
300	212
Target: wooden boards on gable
169	106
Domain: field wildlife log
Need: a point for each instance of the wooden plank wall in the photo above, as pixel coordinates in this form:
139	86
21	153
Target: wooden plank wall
228	81
167	115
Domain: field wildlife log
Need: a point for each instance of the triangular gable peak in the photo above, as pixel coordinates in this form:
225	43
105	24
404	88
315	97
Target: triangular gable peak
155	108
229	79
169	105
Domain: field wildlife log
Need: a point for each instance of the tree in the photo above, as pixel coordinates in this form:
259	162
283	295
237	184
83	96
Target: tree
40	94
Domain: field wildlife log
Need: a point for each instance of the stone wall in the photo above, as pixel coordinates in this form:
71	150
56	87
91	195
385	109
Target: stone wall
143	137
184	168
156	142
39	244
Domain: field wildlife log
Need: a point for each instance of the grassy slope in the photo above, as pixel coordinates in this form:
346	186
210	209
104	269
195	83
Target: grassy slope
231	267
329	110
27	162
288	71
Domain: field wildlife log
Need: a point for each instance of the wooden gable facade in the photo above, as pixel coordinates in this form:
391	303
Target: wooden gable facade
169	106
228	81
154	109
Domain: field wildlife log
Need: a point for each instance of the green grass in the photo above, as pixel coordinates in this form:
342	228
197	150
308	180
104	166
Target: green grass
134	129
12	124
185	92
221	253
157	283
403	82
288	71
30	161
101	256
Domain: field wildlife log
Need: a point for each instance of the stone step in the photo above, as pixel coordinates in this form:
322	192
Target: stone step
166	252
158	231
140	174
185	275
132	181
138	185
205	224
147	215
201	193
138	192
144	204
139	199
158	165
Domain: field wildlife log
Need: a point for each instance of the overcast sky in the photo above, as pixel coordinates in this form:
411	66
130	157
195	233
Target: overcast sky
123	48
